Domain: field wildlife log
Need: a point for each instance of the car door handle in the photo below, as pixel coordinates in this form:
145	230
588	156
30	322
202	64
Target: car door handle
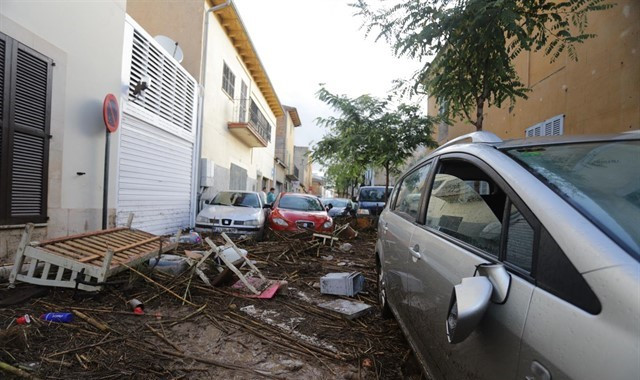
415	252
539	372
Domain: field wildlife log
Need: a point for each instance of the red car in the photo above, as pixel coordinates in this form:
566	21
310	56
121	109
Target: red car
294	211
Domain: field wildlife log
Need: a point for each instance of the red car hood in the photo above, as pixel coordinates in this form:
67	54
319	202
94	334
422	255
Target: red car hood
318	217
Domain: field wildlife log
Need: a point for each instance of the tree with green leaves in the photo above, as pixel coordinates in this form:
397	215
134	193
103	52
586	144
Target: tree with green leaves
474	44
371	132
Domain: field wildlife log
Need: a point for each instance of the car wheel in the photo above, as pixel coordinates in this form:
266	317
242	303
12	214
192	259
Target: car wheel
262	234
385	311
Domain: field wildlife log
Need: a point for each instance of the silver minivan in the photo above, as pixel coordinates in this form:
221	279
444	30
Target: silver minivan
517	259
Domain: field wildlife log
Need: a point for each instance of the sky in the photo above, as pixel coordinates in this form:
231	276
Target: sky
303	43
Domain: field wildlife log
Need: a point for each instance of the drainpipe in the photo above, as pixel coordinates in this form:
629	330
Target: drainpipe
201	95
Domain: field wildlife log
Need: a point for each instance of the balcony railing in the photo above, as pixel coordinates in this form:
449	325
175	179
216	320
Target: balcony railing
249	123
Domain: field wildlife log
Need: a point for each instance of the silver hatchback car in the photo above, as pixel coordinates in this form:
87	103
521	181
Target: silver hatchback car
518	259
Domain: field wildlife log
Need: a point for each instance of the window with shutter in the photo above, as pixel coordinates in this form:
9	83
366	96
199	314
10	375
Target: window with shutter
24	146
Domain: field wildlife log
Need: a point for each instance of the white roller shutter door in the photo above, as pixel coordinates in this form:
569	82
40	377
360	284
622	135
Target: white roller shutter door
155	177
157	137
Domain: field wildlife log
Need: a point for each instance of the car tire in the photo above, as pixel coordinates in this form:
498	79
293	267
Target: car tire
261	234
385	311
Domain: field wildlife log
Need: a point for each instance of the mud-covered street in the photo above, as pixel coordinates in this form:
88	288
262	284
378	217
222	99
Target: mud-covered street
213	332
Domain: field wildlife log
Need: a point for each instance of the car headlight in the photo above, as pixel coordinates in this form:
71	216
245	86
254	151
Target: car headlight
280	222
328	224
363	211
202	219
253	222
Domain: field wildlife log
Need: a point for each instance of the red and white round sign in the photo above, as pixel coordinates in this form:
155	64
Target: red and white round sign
111	113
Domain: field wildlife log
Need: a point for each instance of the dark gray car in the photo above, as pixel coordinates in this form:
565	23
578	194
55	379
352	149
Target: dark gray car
518	260
338	206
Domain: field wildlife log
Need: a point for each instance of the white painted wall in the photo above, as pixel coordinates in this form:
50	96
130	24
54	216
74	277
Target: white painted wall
85	41
217	143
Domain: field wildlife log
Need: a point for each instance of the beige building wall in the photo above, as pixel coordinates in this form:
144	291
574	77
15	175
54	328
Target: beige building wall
600	93
302	160
182	21
87	67
218	144
285	135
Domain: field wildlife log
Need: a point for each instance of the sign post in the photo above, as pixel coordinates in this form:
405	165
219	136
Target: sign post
111	117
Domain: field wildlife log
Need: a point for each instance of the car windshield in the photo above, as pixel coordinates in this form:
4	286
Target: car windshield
335	202
239	199
601	180
291	202
373	194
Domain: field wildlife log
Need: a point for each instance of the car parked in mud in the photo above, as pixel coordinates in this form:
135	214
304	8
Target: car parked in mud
371	199
339	206
517	259
295	211
234	213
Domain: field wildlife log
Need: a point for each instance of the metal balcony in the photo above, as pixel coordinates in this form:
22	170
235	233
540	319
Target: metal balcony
249	124
295	175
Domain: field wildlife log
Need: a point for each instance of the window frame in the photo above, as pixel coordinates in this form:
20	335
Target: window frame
231	80
9	128
511	197
393	197
594	307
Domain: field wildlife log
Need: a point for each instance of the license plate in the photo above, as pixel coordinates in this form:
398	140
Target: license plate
227	230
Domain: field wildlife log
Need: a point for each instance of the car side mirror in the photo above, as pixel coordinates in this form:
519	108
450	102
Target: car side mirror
267	205
329	206
469	301
500	280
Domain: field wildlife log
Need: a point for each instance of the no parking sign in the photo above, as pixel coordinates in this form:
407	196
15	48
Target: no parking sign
111	113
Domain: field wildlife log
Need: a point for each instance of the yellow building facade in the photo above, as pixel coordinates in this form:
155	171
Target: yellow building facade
599	93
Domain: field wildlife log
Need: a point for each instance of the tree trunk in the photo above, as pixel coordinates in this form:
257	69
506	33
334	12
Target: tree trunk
479	113
386	185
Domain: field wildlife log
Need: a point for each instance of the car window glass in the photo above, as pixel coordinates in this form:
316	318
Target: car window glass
407	202
300	203
373	194
519	240
458	210
236	199
480	187
612	201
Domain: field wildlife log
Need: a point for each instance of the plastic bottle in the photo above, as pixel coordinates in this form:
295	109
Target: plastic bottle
57	317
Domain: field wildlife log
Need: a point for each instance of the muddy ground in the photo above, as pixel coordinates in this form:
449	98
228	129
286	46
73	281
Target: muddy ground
218	333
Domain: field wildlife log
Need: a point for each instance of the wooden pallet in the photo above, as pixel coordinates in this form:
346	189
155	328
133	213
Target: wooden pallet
94	255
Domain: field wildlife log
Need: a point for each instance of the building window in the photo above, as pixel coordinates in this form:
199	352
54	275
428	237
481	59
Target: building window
25	102
259	122
243	102
228	81
549	127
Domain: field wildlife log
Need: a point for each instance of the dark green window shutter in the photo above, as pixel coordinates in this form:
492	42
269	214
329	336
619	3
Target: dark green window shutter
25	153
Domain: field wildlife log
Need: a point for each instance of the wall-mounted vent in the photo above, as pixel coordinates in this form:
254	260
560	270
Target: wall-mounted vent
550	127
171	94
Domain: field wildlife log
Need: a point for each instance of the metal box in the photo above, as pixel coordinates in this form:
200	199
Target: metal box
342	284
206	172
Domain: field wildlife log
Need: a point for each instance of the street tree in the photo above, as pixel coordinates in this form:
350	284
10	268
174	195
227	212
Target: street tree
372	132
474	43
